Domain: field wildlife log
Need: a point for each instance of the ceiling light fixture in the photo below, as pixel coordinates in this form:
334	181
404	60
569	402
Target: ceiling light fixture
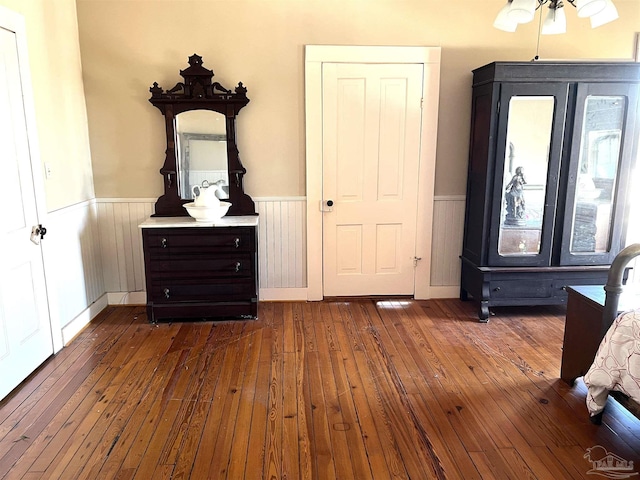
516	12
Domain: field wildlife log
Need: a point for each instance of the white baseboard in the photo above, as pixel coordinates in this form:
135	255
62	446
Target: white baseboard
447	291
127	298
75	326
266	294
300	294
283	294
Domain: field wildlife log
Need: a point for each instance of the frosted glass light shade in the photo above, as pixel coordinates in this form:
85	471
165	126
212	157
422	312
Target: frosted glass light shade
608	14
587	8
555	22
503	22
515	12
522	11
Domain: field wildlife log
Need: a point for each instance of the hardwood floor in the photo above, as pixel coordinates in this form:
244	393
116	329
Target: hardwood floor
336	389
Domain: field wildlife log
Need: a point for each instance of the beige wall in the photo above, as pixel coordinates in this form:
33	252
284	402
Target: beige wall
61	117
126	45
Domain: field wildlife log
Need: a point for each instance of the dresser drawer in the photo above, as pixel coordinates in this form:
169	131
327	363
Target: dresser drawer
521	288
561	284
202	266
211	290
199	240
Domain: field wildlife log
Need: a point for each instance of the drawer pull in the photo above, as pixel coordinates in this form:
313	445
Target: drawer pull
497	289
163	243
236	242
238	265
166	293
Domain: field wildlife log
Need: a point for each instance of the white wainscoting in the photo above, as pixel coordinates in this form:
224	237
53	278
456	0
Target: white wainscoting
282	260
96	247
448	228
121	247
73	267
93	254
281	257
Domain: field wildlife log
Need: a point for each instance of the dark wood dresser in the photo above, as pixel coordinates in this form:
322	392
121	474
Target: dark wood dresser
199	270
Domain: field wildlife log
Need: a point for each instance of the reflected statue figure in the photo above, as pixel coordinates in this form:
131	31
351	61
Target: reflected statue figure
514	193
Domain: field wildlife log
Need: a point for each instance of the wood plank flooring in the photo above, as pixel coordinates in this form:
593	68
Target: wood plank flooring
348	389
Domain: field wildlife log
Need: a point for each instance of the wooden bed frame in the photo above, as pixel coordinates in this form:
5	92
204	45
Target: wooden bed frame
591	309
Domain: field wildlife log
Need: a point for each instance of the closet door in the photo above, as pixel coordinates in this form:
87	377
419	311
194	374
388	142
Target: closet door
371	163
25	330
527	162
598	174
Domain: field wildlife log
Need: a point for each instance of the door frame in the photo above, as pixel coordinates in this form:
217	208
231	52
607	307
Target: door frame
315	56
15	22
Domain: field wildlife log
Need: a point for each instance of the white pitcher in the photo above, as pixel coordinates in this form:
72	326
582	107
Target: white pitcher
205	195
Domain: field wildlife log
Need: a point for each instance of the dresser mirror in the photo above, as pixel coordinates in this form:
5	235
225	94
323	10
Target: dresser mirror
200	124
201	146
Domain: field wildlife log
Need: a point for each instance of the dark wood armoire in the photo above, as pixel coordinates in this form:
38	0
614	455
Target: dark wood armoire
551	152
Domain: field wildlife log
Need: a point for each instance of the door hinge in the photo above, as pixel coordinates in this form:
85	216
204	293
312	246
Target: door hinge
422	102
416	260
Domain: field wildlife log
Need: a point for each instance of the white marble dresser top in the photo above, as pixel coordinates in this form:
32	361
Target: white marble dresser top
188	222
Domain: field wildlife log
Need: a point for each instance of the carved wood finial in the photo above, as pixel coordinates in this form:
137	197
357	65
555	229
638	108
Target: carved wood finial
195	59
198	84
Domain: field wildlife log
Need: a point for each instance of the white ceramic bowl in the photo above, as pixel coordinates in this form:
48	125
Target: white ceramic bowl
207	214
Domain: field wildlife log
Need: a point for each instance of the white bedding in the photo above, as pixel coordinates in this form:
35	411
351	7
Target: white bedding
617	363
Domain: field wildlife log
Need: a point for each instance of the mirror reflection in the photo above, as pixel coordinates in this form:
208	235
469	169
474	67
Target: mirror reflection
201	151
599	156
526	164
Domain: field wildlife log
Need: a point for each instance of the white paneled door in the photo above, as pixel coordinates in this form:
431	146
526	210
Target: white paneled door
25	329
371	156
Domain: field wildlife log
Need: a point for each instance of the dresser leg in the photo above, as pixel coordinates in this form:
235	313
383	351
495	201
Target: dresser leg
464	295
483	314
150	316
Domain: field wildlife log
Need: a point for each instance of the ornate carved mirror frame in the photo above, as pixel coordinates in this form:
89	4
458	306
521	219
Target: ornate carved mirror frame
198	92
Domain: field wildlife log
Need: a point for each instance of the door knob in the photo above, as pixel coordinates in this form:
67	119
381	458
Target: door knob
326	205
